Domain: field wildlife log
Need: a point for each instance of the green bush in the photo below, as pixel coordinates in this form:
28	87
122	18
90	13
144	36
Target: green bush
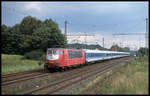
42	59
34	55
143	52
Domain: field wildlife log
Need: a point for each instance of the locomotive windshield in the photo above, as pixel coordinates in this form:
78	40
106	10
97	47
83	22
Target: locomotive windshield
54	52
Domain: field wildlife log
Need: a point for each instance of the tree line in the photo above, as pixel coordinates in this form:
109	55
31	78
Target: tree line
143	52
31	34
121	49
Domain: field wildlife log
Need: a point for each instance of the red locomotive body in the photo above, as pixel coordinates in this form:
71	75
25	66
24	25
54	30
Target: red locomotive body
61	57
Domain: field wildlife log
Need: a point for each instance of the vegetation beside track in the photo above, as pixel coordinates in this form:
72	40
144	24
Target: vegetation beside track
15	63
131	79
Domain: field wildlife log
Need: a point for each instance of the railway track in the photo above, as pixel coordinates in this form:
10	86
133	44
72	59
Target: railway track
72	79
23	76
17	80
20	73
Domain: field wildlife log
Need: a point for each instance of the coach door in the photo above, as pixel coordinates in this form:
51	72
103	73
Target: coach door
62	57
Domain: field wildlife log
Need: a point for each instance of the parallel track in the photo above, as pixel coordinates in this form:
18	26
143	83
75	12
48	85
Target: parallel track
23	76
20	73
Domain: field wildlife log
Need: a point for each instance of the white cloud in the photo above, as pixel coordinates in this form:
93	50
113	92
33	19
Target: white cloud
33	6
57	8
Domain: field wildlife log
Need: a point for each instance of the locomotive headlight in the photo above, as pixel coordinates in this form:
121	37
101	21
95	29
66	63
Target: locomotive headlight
48	57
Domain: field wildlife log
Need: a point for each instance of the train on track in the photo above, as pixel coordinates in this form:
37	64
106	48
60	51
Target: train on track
64	58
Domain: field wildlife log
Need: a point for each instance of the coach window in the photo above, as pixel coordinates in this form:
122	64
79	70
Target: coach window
75	54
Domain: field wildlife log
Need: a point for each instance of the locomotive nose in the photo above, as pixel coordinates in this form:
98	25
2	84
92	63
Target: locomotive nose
52	57
52	63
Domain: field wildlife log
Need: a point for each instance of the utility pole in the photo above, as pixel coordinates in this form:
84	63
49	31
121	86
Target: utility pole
85	40
85	37
66	28
147	33
103	42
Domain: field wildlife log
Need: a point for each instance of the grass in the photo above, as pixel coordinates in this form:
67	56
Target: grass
131	79
15	63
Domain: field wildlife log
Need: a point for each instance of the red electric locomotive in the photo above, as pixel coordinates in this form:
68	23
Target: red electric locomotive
61	58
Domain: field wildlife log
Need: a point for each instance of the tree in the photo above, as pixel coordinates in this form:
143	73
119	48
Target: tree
9	40
4	38
117	48
29	24
143	51
27	27
126	49
47	35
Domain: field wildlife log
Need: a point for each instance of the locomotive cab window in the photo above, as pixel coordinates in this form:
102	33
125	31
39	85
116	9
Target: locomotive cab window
54	52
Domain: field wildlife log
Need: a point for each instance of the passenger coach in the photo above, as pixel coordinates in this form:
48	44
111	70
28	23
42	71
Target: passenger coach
96	55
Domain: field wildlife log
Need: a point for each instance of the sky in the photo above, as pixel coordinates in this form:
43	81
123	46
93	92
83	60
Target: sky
100	19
